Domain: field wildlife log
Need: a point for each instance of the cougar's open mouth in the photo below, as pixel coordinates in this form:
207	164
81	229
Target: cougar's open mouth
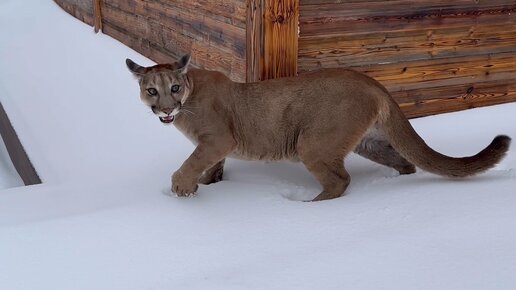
167	119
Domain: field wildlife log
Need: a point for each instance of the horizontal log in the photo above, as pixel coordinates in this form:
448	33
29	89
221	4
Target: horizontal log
417	96
451	103
202	56
428	73
173	40
203	29
143	46
163	30
434	56
438	72
401	47
82	10
328	21
408	5
232	12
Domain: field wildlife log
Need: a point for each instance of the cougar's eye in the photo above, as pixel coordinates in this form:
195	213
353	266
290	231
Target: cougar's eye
152	91
175	88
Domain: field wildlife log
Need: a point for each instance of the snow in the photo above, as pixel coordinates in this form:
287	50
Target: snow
101	218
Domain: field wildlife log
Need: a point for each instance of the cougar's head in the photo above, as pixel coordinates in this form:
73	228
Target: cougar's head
163	87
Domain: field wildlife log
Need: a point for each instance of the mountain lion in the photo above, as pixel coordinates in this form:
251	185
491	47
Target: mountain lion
316	118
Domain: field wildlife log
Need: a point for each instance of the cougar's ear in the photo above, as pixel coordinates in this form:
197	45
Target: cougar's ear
183	64
137	70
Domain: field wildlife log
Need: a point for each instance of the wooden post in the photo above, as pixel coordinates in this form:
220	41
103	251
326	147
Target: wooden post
97	14
272	39
254	35
281	32
16	152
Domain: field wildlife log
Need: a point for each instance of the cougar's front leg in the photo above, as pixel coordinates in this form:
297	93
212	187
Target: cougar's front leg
207	154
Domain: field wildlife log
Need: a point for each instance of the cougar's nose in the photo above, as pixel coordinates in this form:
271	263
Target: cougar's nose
167	111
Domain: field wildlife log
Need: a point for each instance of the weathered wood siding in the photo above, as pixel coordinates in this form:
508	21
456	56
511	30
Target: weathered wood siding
434	56
213	31
82	10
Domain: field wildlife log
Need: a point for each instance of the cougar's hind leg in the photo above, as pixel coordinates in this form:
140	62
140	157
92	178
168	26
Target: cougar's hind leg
375	147
325	163
331	175
214	174
323	146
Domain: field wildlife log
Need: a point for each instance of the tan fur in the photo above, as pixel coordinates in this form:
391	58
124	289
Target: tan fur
317	118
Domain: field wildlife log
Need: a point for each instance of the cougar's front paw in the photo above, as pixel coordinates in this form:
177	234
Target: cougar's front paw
182	185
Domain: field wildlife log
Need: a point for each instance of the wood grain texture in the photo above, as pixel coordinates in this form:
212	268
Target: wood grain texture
280	39
429	54
97	16
82	10
434	56
214	33
254	45
430	101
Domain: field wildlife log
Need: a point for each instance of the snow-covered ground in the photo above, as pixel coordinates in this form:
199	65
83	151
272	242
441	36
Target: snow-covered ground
101	220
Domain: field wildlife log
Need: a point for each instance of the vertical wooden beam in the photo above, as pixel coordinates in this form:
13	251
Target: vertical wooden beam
272	39
16	152
254	35
281	33
97	14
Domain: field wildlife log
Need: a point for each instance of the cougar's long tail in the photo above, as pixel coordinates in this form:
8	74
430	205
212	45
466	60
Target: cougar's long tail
411	146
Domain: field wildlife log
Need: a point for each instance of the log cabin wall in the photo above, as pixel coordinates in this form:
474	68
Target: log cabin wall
434	56
214	32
